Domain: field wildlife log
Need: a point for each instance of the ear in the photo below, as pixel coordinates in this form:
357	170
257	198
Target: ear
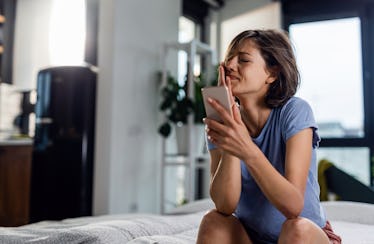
273	74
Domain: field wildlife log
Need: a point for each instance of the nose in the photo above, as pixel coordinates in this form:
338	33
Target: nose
231	64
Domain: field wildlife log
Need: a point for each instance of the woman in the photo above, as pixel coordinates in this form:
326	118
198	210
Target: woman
263	156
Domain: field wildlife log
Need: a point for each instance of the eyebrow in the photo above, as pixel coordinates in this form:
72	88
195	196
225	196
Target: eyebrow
244	53
231	55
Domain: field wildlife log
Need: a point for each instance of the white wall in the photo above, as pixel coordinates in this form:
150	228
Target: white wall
233	8
242	14
264	17
131	34
31	41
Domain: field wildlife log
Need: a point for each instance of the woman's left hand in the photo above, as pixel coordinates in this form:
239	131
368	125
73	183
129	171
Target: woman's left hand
231	135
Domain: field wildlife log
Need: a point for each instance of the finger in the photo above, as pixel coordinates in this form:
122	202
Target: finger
221	75
236	113
213	136
229	86
221	141
225	115
213	125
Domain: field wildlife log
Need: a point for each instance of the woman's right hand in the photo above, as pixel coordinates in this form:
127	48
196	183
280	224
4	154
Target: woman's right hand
225	81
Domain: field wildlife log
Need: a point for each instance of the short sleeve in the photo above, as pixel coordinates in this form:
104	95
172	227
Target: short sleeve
297	115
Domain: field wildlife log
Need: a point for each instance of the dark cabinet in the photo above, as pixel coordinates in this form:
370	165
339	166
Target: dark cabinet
15	173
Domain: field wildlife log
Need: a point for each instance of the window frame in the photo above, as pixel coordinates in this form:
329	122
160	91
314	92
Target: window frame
296	12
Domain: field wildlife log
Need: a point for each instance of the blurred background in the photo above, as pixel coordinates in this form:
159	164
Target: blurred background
80	96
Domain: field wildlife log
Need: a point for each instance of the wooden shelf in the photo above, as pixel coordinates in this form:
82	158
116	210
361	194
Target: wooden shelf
193	161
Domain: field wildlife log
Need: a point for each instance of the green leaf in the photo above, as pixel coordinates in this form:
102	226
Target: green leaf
165	129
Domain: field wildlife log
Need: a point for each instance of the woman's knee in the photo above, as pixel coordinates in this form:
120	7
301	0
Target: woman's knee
209	228
294	230
298	225
219	228
211	221
302	230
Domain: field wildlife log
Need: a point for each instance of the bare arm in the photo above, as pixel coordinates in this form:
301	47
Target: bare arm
225	181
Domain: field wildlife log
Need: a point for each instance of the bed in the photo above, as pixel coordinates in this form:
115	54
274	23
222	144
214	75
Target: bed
352	220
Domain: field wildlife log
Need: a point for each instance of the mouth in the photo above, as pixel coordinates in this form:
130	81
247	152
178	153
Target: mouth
233	77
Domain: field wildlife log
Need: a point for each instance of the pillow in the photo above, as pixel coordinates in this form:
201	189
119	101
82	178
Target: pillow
355	212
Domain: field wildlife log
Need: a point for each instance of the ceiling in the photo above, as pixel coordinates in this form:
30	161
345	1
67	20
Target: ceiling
198	9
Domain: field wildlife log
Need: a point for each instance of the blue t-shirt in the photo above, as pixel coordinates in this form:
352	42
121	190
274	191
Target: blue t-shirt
261	219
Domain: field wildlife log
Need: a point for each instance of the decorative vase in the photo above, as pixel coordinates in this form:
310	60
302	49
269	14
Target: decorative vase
197	131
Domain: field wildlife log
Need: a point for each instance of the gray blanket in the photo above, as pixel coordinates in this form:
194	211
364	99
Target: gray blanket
129	228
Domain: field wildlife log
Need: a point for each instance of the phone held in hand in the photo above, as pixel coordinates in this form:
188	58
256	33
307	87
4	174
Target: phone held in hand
219	93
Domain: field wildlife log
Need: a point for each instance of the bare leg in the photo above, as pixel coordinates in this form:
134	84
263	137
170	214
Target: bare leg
218	228
302	230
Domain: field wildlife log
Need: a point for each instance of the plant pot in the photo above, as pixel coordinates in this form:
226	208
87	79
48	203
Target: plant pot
199	138
197	131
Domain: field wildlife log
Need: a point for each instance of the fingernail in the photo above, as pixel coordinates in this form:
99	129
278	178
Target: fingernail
210	100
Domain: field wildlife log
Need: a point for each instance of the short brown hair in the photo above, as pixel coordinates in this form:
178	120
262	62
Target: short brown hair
276	49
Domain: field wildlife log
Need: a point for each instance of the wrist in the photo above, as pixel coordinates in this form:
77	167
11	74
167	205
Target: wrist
229	157
253	154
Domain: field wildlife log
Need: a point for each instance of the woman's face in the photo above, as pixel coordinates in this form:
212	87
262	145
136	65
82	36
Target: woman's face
247	71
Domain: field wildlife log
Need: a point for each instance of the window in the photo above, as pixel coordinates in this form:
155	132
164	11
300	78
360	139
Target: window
329	58
188	30
330	61
67	35
353	160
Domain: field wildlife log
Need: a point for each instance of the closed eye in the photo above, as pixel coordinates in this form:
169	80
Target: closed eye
242	60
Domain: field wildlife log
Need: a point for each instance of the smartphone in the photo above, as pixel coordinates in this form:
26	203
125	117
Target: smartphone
219	93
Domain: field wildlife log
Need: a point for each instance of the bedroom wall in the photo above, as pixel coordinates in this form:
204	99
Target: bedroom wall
31	37
238	9
263	17
234	8
131	34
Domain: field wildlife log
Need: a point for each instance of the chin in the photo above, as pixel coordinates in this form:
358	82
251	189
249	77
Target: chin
233	87
233	92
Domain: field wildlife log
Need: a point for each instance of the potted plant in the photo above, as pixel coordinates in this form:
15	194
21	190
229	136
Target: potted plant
177	106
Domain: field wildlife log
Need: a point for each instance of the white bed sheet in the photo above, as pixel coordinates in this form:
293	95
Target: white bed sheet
354	222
